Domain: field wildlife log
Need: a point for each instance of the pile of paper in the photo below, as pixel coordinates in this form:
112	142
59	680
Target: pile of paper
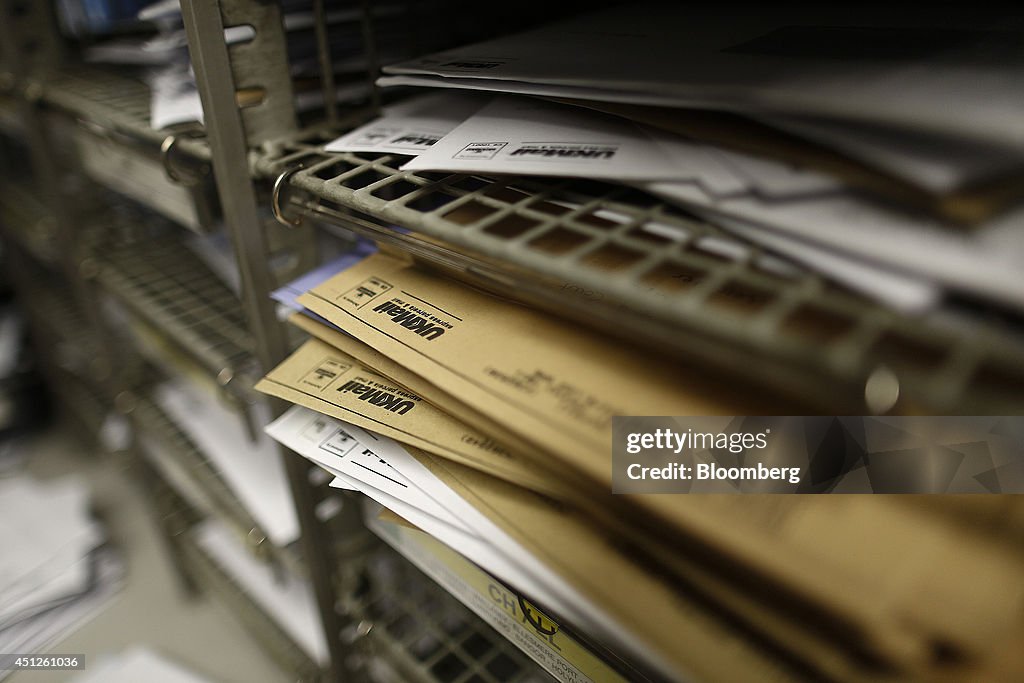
55	570
251	468
487	426
879	147
284	597
133	665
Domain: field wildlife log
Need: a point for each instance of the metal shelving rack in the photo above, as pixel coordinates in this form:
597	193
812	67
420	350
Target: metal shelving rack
686	286
210	493
370	625
166	287
691	289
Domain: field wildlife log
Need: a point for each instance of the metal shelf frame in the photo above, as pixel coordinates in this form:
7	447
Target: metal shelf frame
630	263
606	254
232	132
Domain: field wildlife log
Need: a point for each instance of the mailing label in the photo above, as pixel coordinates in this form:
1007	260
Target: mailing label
324	374
480	150
366	291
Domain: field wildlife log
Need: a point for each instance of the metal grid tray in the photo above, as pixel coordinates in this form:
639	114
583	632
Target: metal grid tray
113	101
150	420
281	647
165	284
632	264
88	406
63	328
428	635
25	219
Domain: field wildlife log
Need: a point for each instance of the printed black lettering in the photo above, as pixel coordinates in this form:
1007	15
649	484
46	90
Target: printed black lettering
403	407
408	319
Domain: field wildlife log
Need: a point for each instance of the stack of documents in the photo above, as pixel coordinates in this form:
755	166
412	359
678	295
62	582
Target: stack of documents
879	147
486	426
55	570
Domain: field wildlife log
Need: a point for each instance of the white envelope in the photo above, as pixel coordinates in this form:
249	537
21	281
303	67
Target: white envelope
947	73
808	210
412	125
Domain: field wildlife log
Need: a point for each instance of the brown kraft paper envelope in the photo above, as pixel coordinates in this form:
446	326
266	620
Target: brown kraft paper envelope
325	379
682	631
558	387
805	639
374	360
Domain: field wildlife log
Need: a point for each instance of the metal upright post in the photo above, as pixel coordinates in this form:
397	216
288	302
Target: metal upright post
228	145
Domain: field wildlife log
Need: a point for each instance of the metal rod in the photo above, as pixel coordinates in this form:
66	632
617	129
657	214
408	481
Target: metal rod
372	60
211	63
323	49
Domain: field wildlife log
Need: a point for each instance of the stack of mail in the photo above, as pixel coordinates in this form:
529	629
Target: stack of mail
881	148
487	425
55	570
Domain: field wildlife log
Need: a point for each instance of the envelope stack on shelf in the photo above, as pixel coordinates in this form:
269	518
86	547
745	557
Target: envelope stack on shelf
879	146
484	426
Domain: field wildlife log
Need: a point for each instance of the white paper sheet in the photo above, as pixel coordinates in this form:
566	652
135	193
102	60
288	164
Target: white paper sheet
900	291
535	137
984	263
253	469
484	543
43	550
174	98
887	65
134	665
850	234
289	601
346	449
39	633
530	136
410	126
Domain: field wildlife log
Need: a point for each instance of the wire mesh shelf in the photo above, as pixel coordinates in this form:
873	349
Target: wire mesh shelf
207	490
210	575
428	635
637	266
114	101
167	285
25	219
